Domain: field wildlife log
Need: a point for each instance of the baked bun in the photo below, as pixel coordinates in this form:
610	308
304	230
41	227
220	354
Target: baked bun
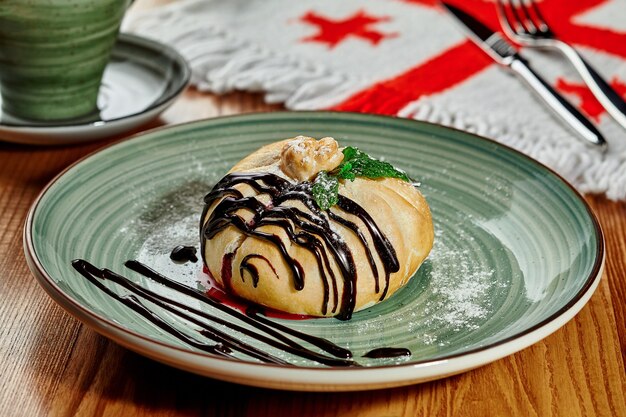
266	239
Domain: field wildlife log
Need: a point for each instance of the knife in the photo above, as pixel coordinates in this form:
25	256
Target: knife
504	54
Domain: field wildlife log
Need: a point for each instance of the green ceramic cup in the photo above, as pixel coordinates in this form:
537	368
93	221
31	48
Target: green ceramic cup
53	54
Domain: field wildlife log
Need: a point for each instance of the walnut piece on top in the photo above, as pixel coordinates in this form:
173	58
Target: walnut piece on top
303	157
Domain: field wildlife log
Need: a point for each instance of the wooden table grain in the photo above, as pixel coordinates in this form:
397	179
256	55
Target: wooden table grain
52	365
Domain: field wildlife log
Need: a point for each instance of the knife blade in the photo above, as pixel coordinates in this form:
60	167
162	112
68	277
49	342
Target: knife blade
504	54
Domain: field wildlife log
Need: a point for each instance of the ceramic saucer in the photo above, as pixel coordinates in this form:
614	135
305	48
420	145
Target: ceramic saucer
143	78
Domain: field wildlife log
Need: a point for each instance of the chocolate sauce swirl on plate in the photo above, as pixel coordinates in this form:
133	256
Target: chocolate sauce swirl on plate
388	352
182	254
265	331
224	344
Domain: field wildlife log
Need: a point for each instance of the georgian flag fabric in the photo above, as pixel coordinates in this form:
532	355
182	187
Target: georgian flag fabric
408	58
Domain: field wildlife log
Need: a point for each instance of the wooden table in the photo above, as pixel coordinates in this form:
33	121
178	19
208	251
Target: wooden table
51	364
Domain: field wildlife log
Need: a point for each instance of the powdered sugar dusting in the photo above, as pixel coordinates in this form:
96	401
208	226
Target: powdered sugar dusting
171	221
461	288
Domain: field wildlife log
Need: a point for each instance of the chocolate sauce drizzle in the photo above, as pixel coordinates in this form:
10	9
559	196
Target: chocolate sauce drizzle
182	254
224	344
245	265
308	229
387	352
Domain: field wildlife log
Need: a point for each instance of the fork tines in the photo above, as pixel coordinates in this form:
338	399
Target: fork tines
522	17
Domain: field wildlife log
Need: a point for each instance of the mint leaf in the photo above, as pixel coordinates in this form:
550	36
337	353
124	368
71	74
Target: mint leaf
359	164
350	152
345	171
325	190
355	163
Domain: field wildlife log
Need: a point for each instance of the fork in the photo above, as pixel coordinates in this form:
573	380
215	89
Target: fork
523	22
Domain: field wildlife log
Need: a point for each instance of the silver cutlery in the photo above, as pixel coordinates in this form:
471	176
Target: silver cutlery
523	22
504	54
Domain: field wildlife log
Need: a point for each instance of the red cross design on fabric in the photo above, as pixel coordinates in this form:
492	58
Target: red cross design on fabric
587	102
465	60
359	25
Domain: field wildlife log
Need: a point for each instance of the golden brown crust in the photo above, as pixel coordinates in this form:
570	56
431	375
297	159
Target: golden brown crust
397	207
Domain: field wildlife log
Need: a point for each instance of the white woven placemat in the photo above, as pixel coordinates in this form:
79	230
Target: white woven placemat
406	58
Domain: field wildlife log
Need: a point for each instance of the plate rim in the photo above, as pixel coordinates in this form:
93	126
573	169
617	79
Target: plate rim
567	311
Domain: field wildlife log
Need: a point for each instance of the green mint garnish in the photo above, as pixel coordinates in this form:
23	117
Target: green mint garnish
325	190
359	164
355	164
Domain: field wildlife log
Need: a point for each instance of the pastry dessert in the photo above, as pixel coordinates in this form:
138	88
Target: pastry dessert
304	227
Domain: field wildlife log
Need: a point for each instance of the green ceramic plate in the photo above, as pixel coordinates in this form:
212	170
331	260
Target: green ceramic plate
517	253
